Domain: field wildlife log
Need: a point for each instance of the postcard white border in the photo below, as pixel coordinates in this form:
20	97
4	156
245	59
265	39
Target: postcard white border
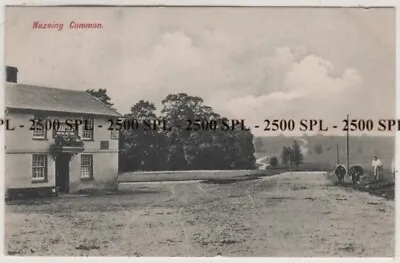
280	3
314	3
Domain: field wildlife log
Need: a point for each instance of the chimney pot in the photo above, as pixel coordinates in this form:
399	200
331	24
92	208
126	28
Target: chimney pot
11	74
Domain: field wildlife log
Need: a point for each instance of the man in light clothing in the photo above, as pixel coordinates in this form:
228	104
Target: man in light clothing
377	167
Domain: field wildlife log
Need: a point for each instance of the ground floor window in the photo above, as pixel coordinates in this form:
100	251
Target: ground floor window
87	166
39	167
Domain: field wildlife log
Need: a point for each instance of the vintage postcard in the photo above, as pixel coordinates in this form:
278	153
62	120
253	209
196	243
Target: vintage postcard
199	131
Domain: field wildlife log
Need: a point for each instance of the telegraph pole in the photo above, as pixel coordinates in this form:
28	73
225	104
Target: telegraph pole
347	144
337	154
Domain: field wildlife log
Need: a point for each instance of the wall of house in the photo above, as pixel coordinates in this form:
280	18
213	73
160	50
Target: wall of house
18	171
20	140
105	172
20	146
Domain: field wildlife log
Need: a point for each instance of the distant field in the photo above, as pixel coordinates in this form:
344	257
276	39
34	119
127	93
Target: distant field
362	149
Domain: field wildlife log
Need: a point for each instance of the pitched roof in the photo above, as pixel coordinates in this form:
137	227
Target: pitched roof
22	96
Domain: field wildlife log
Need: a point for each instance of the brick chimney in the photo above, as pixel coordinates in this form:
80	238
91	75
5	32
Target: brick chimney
11	74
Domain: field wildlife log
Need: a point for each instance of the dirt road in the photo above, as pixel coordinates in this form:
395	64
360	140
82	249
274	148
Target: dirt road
296	214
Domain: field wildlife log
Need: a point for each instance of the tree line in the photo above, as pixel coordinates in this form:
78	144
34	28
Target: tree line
292	155
180	149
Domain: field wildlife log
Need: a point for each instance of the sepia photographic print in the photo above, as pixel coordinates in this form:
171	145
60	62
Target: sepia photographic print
183	131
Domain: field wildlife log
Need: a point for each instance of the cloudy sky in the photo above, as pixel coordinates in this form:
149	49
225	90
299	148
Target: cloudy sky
247	63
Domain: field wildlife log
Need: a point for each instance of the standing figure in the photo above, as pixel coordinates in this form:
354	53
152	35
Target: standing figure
377	168
340	172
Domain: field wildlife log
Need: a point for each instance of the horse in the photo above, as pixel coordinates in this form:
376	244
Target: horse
340	172
355	173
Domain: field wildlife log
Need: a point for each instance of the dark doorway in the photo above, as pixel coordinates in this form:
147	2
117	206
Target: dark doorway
62	173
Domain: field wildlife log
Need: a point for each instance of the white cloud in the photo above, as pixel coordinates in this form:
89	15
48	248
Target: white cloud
303	87
313	76
249	84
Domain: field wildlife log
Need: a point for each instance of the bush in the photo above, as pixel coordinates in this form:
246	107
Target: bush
318	149
273	161
61	141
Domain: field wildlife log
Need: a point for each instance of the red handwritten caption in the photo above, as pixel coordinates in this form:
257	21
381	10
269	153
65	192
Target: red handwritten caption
37	25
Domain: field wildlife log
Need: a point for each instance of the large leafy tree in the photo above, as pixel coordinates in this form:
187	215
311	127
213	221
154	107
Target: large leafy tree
297	155
179	148
101	94
142	149
179	110
285	156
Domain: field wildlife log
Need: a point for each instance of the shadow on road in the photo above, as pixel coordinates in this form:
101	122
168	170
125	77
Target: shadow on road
230	180
384	188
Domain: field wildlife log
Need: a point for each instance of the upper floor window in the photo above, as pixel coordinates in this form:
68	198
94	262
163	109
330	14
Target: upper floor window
39	129
88	129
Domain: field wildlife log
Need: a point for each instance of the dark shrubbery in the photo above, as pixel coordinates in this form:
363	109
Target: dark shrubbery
273	161
292	155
